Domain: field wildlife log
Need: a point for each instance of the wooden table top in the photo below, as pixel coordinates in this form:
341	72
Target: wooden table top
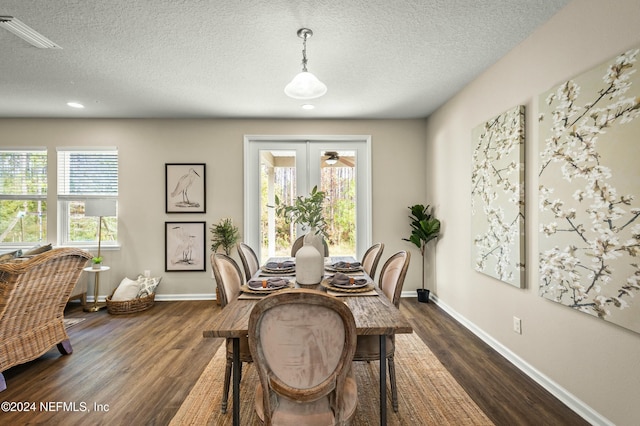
374	315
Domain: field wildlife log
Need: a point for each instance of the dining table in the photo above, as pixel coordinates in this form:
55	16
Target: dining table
374	315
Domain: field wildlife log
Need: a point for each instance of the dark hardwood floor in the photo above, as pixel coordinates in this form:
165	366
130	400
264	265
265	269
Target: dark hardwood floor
137	369
501	390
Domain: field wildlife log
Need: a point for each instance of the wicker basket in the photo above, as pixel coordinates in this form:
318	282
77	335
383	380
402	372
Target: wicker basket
130	306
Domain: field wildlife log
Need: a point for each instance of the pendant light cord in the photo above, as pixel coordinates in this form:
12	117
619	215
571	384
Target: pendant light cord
304	53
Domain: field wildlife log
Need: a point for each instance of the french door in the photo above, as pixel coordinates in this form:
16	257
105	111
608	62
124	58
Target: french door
289	166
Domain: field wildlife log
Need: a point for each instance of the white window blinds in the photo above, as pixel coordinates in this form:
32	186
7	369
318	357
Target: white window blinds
83	173
23	174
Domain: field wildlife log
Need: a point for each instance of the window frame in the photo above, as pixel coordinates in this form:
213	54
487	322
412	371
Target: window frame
307	177
29	197
63	200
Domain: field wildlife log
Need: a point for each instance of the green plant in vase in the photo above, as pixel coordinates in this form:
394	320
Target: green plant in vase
224	234
424	228
305	211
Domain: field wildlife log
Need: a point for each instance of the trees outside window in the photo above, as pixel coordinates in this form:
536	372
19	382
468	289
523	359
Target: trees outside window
23	196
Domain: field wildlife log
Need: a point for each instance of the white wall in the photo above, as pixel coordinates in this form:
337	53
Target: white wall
597	362
146	145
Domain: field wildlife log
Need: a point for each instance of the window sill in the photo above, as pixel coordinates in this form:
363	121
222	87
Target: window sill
94	247
83	246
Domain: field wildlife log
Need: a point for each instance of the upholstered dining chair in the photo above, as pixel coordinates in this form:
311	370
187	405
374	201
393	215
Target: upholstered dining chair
299	242
229	280
302	342
371	258
391	280
249	260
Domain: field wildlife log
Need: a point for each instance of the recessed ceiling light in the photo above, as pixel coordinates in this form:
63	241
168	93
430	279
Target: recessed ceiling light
75	105
308	106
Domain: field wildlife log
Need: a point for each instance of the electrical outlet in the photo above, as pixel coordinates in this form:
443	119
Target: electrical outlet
517	325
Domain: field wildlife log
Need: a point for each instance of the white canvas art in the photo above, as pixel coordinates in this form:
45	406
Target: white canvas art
589	181
497	197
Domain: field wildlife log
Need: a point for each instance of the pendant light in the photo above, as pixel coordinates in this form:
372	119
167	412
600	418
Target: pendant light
305	85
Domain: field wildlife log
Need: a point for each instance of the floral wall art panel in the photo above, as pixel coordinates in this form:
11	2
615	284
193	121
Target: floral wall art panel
497	197
589	181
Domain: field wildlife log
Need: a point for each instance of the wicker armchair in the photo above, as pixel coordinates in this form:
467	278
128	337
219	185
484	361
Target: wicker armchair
33	294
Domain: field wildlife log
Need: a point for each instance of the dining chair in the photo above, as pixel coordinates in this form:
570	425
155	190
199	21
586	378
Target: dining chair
249	260
302	342
229	280
391	280
371	258
299	242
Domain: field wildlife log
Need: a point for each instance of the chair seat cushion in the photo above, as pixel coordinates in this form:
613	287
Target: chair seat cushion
368	348
318	413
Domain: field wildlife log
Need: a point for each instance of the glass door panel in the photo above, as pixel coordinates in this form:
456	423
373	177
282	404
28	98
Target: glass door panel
338	181
278	177
347	182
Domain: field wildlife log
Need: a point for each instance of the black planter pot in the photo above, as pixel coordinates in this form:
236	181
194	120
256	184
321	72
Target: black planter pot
423	295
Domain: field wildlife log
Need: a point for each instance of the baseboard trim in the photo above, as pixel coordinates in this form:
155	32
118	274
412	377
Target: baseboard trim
169	297
570	400
180	297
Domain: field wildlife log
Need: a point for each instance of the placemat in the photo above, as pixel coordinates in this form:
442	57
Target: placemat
325	283
362	293
246	289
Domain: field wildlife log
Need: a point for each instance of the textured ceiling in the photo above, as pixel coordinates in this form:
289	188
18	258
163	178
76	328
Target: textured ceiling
181	58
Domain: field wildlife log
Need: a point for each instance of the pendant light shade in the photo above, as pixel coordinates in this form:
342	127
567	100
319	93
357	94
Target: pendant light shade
305	85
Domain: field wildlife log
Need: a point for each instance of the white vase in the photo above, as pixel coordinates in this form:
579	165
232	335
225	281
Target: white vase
316	241
309	264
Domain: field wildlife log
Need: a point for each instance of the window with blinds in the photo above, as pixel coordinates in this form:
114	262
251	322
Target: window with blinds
86	174
23	196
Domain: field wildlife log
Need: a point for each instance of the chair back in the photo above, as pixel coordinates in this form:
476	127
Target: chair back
228	277
33	296
392	276
302	343
249	260
299	242
371	258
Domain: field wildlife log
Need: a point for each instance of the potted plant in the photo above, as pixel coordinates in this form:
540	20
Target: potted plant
97	262
305	211
225	234
424	228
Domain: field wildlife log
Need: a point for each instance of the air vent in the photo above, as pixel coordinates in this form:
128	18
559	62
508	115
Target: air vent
26	33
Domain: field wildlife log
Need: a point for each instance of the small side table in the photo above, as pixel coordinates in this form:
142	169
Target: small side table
96	288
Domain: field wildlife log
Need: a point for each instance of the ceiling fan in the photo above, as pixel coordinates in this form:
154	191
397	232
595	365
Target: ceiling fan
331	158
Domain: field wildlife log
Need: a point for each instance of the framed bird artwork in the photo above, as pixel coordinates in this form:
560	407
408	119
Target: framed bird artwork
185	246
185	188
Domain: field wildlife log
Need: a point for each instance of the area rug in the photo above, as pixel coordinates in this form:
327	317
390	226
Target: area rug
70	322
427	393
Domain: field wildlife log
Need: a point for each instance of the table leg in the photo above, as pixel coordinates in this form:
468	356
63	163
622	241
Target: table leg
383	380
236	382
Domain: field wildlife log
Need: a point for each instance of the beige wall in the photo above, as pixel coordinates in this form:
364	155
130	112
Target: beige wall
597	362
146	145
